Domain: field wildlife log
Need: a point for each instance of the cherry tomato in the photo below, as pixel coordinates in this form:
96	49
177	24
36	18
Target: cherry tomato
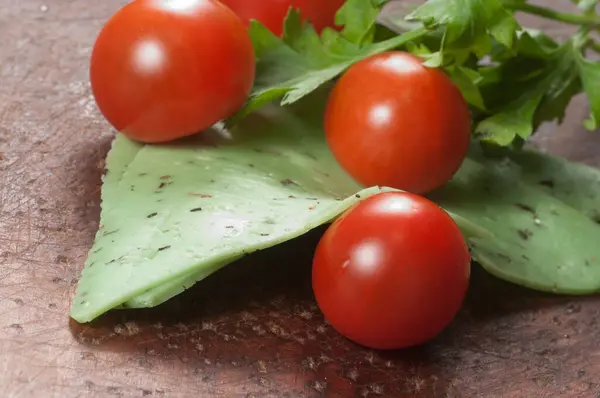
272	13
391	121
392	272
164	69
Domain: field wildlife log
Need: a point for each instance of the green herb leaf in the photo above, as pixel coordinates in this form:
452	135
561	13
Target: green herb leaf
535	44
467	81
529	92
586	5
302	61
469	24
359	19
590	79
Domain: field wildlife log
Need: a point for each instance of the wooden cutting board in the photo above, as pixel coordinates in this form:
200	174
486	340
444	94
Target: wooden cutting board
252	330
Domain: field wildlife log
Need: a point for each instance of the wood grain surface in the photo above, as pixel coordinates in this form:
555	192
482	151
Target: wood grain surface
252	330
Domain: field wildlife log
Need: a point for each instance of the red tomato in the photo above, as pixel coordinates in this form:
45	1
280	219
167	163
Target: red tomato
164	69
391	121
392	272
272	13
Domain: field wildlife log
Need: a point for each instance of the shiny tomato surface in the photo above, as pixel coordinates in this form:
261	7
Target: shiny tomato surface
392	272
272	13
391	121
164	69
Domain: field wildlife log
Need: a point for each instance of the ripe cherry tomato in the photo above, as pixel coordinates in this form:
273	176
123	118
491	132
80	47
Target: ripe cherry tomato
391	121
272	13
392	272
164	69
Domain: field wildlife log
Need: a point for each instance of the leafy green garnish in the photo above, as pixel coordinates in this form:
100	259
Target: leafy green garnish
468	26
529	92
301	61
589	72
518	78
514	78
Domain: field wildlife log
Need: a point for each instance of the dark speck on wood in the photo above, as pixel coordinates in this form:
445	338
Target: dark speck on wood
160	249
525	207
196	209
151	215
547	183
162	185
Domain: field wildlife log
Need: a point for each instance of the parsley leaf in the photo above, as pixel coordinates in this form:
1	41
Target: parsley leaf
301	61
513	78
469	26
466	80
590	79
529	92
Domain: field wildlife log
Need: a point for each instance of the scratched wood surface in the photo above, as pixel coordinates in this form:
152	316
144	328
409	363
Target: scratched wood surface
252	330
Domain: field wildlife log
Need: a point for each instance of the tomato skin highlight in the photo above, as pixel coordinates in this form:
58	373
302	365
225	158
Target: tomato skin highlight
390	121
272	13
392	272
164	69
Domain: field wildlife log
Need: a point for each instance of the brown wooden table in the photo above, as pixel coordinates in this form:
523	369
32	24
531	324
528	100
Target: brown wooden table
252	330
